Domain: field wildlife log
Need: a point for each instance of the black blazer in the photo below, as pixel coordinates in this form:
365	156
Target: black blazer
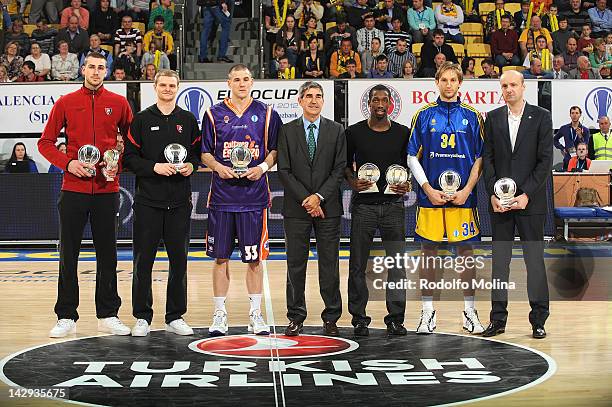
324	175
530	164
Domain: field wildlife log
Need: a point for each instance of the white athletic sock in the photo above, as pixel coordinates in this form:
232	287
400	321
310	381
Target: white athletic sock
255	301
468	302
427	303
219	304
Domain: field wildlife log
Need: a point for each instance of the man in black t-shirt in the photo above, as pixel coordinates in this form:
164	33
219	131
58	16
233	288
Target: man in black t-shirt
382	142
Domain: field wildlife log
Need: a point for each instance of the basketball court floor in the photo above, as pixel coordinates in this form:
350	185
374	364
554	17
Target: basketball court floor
571	367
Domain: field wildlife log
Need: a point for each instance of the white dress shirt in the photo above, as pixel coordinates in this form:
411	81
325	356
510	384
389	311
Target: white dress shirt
514	121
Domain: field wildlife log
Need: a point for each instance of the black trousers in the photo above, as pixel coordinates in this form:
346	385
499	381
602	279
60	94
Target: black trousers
531	231
151	225
389	219
74	211
297	238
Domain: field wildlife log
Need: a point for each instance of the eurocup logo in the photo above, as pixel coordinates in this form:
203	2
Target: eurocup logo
196	100
395	104
598	102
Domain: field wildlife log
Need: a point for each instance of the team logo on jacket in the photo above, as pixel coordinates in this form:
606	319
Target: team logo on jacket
225	119
108	110
179	128
395	104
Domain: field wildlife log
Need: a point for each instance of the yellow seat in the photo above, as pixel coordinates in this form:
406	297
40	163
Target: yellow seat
479	50
485	8
141	27
28	28
513	68
108	48
471	29
472	39
416	48
330	24
435	4
459	49
513	7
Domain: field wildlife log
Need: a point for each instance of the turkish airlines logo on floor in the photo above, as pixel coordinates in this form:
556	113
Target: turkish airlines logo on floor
251	346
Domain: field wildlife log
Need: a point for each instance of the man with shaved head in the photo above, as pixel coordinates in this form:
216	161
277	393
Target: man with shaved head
583	70
518	145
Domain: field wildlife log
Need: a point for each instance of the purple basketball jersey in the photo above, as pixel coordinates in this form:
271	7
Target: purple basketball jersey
223	128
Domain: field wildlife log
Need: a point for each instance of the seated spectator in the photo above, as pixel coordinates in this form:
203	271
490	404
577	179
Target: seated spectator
129	61
307	9
28	73
79	12
339	59
584	70
384	16
398	56
42	62
408	70
138	10
468	65
164	10
609	44
422	21
431	49
76	38
272	26
285	70
351	71
430	72
599	56
558	72
540	52
605	71
166	42
570	56
449	17
550	21
488	69
520	17
149	73
11	60
64	64
312	61
585	42
61	147
156	57
290	38
16	34
120	7
53	9
380	71
601	19
504	45
94	46
4	78
600	145
104	22
356	12
577	17
535	71
561	36
395	34
310	32
494	19
127	33
119	74
20	162
580	162
569	135
279	52
527	38
45	37
335	35
366	34
368	57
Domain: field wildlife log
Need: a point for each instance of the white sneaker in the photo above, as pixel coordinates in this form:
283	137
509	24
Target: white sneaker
257	325
113	325
219	324
62	328
179	327
427	323
471	323
141	328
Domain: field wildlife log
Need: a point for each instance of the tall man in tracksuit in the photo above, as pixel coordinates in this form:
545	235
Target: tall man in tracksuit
91	115
162	205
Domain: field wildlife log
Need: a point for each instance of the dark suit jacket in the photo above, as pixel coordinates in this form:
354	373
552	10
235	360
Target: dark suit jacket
324	175
530	164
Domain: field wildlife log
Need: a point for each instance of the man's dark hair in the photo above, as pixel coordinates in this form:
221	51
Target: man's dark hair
30	65
487	61
576	107
377	88
95	55
159	18
350	61
381	57
437	31
561	18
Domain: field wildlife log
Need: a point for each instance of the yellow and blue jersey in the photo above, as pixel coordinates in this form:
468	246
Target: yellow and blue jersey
446	136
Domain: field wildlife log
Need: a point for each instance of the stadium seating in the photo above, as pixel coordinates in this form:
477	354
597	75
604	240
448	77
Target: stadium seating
478	50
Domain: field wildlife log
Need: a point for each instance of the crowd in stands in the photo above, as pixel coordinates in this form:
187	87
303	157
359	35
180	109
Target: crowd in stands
135	36
554	39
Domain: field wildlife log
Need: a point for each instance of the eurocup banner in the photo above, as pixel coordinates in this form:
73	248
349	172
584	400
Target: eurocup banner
25	107
408	96
593	97
197	97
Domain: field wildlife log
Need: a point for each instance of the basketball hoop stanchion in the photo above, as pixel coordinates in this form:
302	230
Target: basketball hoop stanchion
272	324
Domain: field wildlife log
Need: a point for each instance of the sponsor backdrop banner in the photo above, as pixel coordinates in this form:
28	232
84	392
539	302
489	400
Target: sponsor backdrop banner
593	97
199	96
408	96
25	107
29	208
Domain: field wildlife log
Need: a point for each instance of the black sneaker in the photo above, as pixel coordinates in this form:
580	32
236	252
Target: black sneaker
225	59
396	328
361	330
204	60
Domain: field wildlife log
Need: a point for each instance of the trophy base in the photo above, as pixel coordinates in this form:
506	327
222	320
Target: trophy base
108	178
372	189
91	171
240	171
